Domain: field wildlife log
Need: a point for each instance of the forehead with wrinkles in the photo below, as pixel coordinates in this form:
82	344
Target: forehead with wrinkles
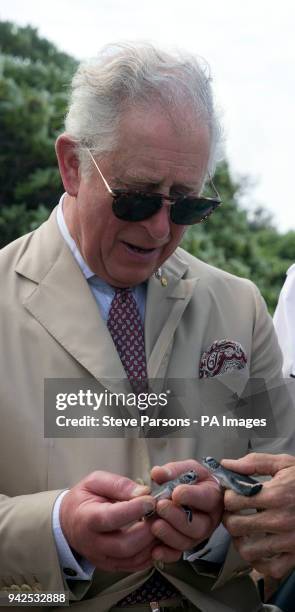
152	148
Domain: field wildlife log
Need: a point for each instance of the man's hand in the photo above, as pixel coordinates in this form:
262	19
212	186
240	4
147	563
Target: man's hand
266	539
110	535
171	526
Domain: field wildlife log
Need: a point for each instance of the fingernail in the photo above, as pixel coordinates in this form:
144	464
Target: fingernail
148	507
140	490
168	472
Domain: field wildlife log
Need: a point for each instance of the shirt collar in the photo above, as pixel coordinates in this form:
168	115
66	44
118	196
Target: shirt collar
71	242
92	278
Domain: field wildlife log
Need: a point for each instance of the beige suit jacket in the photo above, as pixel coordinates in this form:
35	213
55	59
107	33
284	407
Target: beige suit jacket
50	327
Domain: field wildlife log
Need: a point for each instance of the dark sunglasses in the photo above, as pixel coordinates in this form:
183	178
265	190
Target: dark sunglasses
135	205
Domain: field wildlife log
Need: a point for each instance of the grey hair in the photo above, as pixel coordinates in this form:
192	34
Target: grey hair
128	74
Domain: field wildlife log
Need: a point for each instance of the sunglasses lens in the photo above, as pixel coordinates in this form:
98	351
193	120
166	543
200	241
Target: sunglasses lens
136	206
192	210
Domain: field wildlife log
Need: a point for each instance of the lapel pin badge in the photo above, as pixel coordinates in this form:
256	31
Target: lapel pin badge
159	275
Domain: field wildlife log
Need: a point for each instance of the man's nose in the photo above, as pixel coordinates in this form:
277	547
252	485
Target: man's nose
158	226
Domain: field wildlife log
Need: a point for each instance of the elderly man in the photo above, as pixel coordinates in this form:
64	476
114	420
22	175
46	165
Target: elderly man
103	290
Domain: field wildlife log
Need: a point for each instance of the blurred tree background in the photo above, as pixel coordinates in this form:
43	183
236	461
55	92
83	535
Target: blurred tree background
34	85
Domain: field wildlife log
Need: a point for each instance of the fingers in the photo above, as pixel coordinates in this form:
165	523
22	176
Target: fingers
259	463
169	536
142	560
270	521
101	520
273	495
174	530
113	486
166	554
110	517
171	470
270	545
125	543
279	492
271	555
83	516
277	567
197	528
134	563
205	496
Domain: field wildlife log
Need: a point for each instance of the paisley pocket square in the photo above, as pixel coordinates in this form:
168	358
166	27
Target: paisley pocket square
223	356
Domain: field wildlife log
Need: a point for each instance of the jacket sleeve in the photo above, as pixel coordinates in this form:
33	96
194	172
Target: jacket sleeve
27	560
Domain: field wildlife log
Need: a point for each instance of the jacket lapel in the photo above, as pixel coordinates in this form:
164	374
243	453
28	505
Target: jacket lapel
60	299
164	309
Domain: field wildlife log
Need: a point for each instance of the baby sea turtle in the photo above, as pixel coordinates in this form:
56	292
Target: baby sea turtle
240	483
165	490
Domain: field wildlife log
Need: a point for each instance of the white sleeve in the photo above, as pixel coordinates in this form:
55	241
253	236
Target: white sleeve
72	569
284	322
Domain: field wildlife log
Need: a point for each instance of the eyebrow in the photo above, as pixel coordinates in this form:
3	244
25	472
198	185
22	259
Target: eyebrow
150	182
137	180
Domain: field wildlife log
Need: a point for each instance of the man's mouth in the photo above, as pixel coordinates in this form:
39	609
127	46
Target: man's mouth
138	249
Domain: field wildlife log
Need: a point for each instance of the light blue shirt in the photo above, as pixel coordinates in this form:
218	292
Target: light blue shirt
103	294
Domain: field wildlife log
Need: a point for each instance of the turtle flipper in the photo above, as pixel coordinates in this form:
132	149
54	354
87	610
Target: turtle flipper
189	513
245	488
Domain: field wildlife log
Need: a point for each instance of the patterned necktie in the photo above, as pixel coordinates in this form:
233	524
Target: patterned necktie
126	328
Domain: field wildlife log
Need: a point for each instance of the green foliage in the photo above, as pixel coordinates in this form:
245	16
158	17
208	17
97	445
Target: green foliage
252	248
27	44
34	82
17	220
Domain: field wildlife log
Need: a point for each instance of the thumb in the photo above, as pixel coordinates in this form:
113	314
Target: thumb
259	463
113	486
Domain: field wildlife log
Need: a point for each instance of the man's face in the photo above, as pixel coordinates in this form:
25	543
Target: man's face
156	154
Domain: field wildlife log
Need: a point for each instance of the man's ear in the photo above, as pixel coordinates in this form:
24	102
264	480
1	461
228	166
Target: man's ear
68	163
